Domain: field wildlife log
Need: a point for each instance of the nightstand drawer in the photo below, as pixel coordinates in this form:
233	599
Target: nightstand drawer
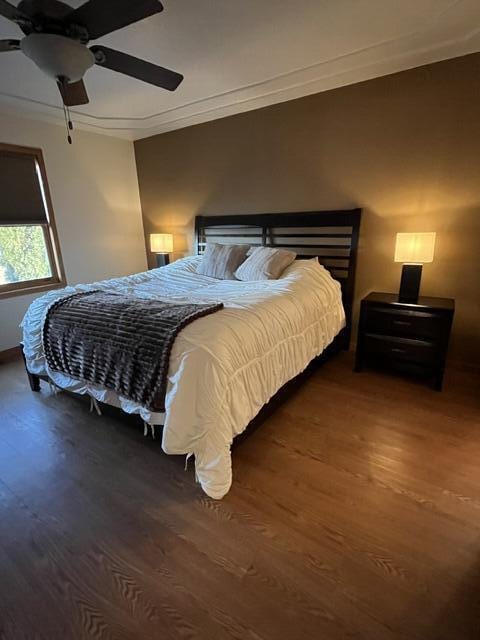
417	351
396	322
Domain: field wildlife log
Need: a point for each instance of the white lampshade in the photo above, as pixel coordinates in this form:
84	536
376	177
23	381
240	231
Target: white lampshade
161	242
415	248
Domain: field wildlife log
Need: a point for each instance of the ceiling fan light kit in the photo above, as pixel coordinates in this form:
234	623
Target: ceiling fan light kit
58	56
56	38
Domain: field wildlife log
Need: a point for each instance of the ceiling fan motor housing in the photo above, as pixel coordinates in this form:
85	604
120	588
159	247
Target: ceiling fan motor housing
57	56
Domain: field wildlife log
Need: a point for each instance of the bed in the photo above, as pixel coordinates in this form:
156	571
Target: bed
226	367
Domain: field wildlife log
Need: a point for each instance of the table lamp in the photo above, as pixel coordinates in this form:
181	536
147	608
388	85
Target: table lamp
162	245
413	249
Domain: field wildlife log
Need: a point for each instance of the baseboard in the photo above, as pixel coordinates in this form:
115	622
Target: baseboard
462	365
10	354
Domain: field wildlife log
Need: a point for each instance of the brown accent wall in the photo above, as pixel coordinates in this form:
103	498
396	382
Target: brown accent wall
405	147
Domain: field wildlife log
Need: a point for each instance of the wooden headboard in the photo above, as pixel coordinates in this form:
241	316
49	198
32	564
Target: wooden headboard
331	236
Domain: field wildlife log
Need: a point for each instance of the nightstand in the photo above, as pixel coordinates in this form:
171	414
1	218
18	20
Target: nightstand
412	337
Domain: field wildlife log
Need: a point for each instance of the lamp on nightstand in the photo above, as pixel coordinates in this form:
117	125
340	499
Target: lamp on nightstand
413	249
162	245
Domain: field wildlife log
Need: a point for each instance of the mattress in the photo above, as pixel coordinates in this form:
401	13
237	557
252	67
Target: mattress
224	367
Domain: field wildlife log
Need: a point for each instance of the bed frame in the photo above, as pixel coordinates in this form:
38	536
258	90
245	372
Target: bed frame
331	236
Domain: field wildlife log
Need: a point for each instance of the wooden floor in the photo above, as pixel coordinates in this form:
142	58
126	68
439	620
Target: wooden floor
354	513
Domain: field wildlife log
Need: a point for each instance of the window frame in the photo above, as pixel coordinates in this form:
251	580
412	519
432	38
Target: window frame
52	245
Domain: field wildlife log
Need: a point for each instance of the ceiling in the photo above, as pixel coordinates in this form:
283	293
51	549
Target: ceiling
241	55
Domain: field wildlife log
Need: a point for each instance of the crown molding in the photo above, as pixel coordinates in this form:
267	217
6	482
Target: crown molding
377	60
301	86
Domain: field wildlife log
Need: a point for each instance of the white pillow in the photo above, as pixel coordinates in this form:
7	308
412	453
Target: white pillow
265	263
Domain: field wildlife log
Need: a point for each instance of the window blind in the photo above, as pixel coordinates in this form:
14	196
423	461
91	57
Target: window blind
21	200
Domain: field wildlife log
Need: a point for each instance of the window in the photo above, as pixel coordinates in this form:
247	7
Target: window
30	258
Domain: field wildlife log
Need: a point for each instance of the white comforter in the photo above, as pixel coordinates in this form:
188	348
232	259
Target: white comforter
224	367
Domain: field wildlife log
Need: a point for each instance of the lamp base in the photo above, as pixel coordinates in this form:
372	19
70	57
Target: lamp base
163	259
410	283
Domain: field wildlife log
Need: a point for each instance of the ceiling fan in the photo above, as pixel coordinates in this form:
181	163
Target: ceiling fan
56	38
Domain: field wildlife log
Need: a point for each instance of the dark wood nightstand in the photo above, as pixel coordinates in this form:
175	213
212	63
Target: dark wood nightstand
412	337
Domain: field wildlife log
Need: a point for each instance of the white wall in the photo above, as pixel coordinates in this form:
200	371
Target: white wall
94	190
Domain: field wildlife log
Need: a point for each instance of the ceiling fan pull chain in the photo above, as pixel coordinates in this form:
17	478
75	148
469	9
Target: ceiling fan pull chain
68	123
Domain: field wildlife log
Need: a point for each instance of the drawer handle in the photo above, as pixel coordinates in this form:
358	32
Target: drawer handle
402	322
397	350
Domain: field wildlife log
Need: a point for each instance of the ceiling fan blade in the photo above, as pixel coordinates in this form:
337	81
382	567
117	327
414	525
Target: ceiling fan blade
10	12
9	45
136	68
73	93
42	8
100	17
